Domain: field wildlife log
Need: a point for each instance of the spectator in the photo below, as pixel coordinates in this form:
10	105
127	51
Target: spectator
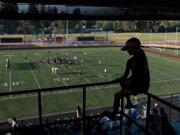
153	126
139	79
163	114
156	116
133	114
13	122
166	127
104	123
128	128
78	112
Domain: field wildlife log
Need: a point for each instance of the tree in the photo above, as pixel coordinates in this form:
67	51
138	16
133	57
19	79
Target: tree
9	7
32	9
42	9
77	11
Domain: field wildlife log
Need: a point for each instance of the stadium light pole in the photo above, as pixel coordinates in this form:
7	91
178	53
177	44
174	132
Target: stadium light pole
67	31
24	31
176	36
165	38
177	51
150	36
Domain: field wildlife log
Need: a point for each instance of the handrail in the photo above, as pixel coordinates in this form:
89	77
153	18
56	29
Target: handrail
56	88
83	87
163	101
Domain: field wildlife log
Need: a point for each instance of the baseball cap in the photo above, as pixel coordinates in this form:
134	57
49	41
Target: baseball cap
132	42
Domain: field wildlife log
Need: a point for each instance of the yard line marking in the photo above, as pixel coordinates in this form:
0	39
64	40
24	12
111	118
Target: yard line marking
34	76
10	87
168	68
156	77
58	76
164	73
81	76
59	92
77	90
164	58
75	71
86	79
177	79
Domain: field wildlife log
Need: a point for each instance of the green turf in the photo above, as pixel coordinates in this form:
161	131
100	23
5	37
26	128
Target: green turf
36	73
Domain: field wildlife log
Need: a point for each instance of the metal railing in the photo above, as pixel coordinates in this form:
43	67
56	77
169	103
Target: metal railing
84	89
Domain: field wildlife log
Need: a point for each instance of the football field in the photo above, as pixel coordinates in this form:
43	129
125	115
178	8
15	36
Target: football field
32	69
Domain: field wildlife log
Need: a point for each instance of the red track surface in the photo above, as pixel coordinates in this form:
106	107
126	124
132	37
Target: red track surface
163	54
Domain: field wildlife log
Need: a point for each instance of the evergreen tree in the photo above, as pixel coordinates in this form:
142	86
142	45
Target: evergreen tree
42	9
32	9
9	7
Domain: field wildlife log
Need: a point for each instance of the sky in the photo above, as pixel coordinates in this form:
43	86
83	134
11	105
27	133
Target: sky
84	9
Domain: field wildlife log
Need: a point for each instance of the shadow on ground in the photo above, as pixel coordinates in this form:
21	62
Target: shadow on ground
24	66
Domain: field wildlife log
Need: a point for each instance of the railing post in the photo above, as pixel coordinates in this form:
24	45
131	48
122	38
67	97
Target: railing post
147	114
40	108
170	107
121	116
84	110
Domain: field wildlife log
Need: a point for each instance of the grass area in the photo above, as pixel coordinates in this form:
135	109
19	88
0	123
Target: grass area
36	73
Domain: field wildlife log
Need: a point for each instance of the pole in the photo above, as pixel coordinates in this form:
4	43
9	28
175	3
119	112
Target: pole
84	110
67	31
165	39
176	40
24	30
150	38
176	36
40	108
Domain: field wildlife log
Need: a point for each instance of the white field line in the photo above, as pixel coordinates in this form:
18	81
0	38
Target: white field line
170	80
167	66
72	111
58	78
166	74
159	81
172	76
34	76
86	79
59	92
10	86
171	60
58	75
157	71
77	90
163	73
157	78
